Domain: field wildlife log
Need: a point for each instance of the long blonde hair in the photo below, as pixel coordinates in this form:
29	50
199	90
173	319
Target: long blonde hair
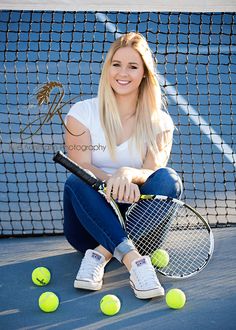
148	104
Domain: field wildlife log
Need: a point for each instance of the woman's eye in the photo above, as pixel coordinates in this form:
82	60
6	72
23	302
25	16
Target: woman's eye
134	67
115	64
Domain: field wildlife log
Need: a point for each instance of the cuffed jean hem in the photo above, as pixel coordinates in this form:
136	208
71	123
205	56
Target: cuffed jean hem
123	248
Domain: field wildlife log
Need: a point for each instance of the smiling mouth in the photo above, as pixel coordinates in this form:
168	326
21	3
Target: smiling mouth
123	82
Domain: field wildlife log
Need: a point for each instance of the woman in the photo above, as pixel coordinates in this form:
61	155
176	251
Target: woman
124	138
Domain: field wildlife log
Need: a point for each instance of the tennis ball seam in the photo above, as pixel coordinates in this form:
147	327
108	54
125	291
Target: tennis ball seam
175	298
160	258
110	305
48	302
41	276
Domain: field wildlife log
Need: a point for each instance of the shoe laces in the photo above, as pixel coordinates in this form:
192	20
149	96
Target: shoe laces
146	276
90	268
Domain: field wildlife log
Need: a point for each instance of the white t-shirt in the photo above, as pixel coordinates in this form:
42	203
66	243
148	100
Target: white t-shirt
87	112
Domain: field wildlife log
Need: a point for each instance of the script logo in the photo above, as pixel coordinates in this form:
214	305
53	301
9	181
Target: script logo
54	107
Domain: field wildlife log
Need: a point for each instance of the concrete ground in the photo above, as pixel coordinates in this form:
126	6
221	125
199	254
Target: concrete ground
210	294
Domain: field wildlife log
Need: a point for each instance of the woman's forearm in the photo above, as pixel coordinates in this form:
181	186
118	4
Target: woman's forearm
139	176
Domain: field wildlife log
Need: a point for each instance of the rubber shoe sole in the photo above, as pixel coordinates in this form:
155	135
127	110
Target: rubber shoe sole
147	294
88	285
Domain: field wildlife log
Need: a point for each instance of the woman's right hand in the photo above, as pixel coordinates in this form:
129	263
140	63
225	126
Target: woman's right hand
121	188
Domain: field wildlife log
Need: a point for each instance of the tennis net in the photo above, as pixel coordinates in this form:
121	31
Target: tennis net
196	66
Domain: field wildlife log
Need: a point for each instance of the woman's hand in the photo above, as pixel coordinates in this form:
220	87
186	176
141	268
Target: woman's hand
121	188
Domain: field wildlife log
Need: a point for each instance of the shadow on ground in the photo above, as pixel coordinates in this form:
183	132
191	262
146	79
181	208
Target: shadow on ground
210	294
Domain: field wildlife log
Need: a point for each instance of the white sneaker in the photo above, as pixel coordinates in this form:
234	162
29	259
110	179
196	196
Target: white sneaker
91	271
143	279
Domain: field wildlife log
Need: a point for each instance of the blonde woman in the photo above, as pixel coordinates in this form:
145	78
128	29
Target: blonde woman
124	138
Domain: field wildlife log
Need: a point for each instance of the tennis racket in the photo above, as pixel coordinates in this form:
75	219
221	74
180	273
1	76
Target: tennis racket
157	223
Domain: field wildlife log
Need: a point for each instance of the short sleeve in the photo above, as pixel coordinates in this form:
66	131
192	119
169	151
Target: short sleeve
82	111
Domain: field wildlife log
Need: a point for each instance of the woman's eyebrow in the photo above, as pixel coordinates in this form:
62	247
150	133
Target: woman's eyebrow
128	63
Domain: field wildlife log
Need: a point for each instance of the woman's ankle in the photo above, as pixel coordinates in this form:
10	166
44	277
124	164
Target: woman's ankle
130	257
104	252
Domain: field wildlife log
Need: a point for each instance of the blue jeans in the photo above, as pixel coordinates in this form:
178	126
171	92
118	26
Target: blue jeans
90	221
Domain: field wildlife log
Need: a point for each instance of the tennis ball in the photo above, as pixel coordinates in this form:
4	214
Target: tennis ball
160	258
48	302
41	276
175	298
110	304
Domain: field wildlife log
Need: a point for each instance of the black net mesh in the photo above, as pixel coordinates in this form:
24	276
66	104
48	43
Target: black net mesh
197	70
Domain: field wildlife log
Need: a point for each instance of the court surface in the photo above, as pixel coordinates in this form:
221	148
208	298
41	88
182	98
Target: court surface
210	294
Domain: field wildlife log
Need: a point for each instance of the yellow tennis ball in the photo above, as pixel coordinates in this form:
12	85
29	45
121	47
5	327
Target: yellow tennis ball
160	258
110	304
48	302
175	298
41	276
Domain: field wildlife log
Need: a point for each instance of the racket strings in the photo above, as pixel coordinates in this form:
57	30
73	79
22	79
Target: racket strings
165	224
189	254
147	214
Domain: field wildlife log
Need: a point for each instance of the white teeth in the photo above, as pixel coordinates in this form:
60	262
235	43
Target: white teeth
122	82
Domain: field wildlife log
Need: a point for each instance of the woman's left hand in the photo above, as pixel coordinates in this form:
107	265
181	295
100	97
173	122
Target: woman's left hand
121	188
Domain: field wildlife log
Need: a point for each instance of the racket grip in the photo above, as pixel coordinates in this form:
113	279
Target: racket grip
74	168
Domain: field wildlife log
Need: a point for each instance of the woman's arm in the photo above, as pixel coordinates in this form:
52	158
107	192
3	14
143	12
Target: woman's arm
123	184
152	162
81	156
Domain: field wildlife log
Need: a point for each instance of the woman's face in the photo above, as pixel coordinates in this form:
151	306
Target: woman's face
126	71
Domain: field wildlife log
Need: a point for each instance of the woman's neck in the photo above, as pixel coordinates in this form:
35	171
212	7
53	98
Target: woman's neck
126	106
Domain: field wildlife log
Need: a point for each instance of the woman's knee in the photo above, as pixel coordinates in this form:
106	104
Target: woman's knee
165	181
172	184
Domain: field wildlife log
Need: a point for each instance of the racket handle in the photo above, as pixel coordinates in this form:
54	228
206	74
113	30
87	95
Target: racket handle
74	168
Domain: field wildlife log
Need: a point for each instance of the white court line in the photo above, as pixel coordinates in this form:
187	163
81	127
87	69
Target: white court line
195	117
203	125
